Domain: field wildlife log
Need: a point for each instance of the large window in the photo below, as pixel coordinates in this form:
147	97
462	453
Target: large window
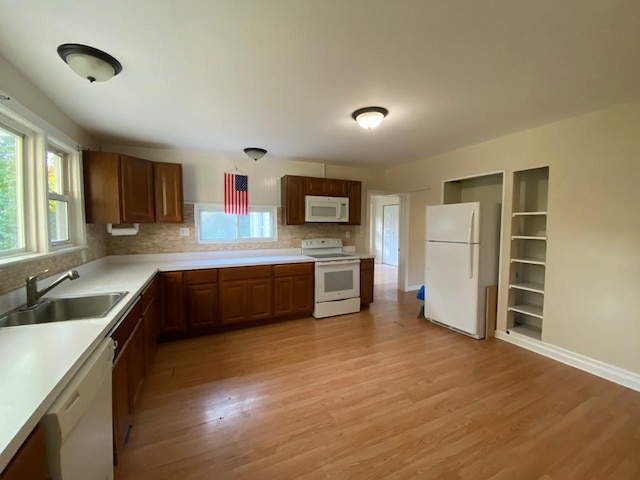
12	239
40	192
214	226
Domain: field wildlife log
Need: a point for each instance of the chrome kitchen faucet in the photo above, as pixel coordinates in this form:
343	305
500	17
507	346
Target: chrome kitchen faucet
33	295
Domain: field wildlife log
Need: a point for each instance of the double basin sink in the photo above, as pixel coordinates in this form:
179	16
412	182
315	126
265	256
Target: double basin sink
62	309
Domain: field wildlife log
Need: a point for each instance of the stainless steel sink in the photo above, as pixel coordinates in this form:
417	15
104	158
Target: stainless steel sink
62	309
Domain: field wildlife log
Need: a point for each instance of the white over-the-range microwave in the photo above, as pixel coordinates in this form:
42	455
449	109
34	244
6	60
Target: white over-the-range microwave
326	209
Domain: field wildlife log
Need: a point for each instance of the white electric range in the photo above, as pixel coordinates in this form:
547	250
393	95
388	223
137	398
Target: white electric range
337	277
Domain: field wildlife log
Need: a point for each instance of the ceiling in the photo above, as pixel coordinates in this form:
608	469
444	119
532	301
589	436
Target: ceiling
286	74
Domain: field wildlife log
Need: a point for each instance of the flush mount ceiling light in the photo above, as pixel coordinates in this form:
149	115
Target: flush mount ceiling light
90	63
255	153
370	117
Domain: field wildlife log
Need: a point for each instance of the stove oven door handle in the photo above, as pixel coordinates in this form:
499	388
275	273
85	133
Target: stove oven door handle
338	262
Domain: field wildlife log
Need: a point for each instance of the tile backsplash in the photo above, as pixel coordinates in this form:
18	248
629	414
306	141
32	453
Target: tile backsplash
165	237
162	238
13	276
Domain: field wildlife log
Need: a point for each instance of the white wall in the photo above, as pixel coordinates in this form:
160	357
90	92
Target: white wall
592	304
31	104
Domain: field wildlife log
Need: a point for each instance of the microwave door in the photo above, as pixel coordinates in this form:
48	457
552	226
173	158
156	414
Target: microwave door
323	211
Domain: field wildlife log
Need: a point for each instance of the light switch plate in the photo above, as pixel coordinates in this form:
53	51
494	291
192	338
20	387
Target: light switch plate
184	232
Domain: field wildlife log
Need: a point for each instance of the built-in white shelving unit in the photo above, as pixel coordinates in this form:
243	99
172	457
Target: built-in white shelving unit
529	239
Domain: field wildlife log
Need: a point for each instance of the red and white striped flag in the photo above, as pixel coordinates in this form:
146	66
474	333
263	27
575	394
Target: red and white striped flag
236	194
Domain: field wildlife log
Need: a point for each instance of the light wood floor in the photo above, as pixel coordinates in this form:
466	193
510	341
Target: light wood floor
379	394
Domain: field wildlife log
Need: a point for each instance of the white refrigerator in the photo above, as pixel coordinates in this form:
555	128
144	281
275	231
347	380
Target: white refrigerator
462	245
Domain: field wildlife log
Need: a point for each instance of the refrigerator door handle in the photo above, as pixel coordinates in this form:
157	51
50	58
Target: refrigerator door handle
471	245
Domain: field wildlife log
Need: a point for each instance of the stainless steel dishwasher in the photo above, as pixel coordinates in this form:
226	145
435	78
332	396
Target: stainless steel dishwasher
78	426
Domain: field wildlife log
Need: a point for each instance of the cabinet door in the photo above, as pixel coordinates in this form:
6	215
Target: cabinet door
136	180
303	294
283	296
202	305
233	298
168	191
171	293
355	199
101	172
150	326
336	188
366	281
315	186
120	398
30	462
259	294
135	364
292	200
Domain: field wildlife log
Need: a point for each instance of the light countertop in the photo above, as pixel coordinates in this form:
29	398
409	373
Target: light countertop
39	360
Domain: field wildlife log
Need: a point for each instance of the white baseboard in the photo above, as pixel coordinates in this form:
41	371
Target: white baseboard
411	288
604	370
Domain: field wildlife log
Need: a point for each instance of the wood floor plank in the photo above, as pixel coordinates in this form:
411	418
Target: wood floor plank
378	394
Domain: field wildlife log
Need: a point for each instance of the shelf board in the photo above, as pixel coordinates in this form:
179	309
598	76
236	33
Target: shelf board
529	287
528	237
530	261
528	214
527	331
531	310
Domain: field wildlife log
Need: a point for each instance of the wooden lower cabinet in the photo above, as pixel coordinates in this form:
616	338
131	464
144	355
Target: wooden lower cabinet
150	329
30	462
366	281
245	300
293	289
172	318
135	364
120	398
202	299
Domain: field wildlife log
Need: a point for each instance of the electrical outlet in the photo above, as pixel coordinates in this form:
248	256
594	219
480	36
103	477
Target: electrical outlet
184	232
348	234
83	255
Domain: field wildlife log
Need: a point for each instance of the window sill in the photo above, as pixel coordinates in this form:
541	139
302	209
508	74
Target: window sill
30	257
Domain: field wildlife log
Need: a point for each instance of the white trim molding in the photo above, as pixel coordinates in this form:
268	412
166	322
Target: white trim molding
603	370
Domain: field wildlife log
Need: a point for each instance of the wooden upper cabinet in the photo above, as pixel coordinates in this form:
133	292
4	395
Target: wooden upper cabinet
168	190
336	188
292	200
315	186
136	179
355	199
295	188
117	188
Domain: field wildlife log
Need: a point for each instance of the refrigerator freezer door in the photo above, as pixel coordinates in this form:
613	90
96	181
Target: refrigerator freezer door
458	223
451	287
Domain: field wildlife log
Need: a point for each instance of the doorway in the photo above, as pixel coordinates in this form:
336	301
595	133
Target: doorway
390	227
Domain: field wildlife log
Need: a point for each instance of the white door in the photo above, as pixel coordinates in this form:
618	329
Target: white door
390	226
459	222
451	286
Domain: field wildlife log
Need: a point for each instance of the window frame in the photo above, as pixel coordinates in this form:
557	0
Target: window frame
9	126
67	197
36	142
219	208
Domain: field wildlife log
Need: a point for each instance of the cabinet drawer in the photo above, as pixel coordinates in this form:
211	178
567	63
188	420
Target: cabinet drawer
245	273
122	331
293	269
194	277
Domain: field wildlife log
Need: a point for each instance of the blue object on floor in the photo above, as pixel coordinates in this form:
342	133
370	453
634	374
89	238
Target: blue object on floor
420	295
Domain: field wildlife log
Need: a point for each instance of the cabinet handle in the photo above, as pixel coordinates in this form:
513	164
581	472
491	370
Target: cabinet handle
115	344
